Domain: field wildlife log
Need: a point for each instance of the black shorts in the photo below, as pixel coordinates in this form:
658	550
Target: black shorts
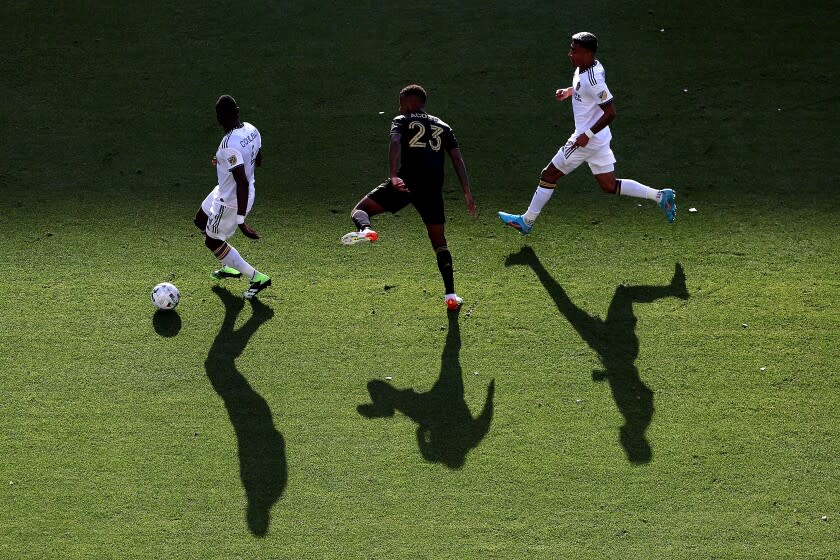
427	199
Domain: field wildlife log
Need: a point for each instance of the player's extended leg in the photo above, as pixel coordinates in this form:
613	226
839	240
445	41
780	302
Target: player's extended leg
665	198
444	261
545	188
232	260
361	215
200	222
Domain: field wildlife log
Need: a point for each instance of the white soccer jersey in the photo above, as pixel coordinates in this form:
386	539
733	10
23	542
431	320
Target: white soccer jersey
590	91
238	147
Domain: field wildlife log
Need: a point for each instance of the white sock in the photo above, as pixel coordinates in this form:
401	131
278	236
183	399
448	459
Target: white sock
629	187
235	260
541	196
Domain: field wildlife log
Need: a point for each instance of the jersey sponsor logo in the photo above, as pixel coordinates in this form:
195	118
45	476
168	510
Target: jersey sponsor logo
232	159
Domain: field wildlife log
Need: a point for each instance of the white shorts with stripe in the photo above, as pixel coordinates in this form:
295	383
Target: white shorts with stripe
599	157
221	219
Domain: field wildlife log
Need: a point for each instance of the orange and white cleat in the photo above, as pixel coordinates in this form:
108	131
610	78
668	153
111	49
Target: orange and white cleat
453	302
367	235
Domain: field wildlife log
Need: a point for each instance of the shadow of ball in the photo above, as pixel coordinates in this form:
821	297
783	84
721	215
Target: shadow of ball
166	323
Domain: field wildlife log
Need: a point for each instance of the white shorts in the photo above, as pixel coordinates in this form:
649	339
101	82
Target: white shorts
569	157
221	219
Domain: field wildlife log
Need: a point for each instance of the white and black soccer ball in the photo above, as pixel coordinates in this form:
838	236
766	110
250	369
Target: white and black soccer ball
165	296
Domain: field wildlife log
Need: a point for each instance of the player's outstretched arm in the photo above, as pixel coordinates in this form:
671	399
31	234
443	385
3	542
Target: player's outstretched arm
242	202
461	171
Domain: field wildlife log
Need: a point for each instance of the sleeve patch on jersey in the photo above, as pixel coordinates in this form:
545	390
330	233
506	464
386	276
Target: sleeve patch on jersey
603	95
232	159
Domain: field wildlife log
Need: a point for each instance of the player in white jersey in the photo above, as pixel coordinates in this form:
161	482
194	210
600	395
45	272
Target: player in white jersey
227	205
594	110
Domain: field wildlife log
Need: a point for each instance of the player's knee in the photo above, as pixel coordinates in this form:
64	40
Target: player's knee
212	243
609	187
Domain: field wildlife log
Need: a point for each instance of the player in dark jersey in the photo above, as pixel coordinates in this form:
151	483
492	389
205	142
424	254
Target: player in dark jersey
416	156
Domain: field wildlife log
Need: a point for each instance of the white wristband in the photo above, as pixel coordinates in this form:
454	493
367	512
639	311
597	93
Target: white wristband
589	133
240	219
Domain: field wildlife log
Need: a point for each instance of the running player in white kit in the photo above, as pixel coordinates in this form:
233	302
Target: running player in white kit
592	104
228	204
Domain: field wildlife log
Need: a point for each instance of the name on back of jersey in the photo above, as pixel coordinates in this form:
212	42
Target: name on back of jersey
248	139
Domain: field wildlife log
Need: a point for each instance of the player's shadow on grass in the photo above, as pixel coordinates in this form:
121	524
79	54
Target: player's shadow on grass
616	344
262	450
446	431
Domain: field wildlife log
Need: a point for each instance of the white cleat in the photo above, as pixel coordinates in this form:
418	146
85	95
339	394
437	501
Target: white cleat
365	236
453	302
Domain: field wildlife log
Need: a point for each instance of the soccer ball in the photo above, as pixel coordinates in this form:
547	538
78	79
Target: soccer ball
165	296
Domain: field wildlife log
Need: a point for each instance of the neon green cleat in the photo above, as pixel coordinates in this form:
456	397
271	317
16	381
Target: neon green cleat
259	283
225	272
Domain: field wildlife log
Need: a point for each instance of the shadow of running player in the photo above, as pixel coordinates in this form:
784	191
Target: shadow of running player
617	346
262	450
446	431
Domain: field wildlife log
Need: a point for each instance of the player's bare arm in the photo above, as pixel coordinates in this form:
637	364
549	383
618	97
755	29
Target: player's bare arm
394	151
461	171
563	93
242	201
606	118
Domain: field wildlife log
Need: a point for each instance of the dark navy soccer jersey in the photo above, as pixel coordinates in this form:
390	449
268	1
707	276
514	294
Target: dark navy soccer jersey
425	140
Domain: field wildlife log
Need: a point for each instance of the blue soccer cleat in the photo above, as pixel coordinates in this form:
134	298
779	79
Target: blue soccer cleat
668	204
516	222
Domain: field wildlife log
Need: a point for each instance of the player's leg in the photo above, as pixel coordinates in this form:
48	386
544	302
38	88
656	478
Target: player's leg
566	160
381	199
602	166
201	220
361	215
665	198
444	262
431	208
221	224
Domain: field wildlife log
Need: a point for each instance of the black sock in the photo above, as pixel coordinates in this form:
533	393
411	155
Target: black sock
361	219
444	260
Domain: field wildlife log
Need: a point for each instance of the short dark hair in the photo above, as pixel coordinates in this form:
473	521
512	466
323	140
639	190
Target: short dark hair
586	40
226	105
414	89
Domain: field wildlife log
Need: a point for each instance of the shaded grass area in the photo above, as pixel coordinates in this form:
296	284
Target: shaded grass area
128	435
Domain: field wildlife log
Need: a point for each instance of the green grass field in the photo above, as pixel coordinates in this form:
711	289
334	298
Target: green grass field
235	430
